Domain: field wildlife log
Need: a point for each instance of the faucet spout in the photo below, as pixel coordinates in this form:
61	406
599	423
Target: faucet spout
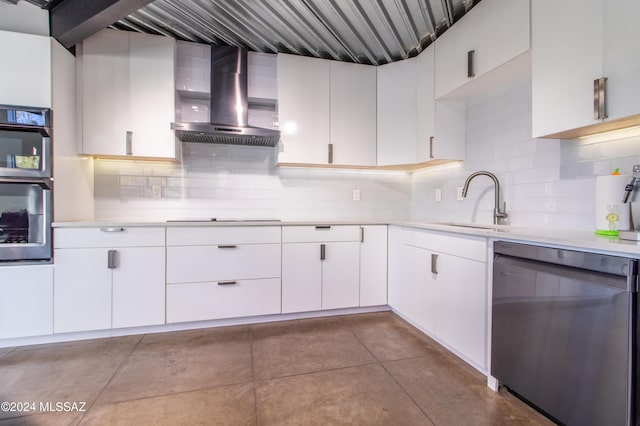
498	213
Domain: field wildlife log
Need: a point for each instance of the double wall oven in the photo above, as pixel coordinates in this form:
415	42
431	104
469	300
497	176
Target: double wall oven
25	184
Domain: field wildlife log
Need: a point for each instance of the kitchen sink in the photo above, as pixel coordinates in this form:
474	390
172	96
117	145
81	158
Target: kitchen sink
498	228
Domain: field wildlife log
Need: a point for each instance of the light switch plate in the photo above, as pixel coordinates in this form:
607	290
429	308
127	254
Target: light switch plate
356	195
438	194
459	193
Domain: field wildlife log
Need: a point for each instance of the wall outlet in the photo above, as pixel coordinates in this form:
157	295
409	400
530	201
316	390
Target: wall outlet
438	194
356	195
156	192
459	196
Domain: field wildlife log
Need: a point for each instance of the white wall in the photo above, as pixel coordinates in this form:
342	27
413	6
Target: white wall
24	18
243	182
546	182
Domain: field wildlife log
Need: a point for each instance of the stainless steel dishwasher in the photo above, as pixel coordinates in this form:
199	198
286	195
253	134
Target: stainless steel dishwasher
564	332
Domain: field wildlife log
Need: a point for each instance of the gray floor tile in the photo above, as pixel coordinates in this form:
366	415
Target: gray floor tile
283	349
390	338
356	395
228	405
44	419
182	361
61	373
452	393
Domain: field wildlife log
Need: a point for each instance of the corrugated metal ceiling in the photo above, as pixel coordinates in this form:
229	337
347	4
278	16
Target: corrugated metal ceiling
362	31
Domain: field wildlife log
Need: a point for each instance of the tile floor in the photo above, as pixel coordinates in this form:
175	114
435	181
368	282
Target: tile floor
357	369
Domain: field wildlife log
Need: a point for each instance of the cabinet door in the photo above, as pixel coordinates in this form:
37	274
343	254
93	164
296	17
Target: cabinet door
25	74
353	113
461	307
373	266
301	277
341	276
496	30
105	98
26	301
139	287
397	113
152	95
82	284
303	108
567	55
426	104
396	268
621	57
419	291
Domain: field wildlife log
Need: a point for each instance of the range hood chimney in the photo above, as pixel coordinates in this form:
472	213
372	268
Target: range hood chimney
229	105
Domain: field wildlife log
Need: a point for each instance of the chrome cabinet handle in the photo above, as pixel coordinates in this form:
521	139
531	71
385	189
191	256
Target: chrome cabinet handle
111	229
330	153
111	259
434	263
431	147
226	247
227	283
362	234
129	143
323	252
471	72
599	98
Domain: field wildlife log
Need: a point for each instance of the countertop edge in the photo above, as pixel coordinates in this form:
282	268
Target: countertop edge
579	240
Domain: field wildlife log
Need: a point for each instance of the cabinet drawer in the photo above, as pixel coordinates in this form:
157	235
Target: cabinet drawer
211	235
108	236
212	263
209	300
320	233
474	248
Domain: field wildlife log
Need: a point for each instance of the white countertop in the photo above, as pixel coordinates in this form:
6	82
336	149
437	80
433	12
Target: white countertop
581	240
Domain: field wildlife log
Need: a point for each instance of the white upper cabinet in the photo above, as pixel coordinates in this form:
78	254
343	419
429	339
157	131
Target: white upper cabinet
413	127
440	123
571	53
25	74
126	93
353	114
490	35
304	98
327	112
397	113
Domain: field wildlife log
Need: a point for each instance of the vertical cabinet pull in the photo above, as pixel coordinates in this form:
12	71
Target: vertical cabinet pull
330	153
434	263
129	143
323	251
431	147
471	72
362	234
111	259
599	98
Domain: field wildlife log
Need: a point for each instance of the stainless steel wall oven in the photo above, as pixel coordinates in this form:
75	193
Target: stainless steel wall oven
25	184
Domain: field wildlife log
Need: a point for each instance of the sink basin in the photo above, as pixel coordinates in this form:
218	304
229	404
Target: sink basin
499	228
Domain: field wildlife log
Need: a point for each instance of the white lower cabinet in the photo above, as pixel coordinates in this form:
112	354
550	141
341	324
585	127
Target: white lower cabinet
217	272
26	301
108	278
320	267
373	265
439	282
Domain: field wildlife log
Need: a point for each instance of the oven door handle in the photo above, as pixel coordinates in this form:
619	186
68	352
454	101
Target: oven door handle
45	183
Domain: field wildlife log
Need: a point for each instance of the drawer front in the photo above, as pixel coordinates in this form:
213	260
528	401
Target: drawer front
107	237
212	235
209	300
320	233
188	264
474	248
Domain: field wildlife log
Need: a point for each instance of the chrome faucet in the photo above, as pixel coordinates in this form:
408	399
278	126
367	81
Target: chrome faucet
497	213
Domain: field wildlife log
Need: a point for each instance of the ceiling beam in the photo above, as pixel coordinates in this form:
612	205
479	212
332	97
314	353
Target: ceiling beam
71	21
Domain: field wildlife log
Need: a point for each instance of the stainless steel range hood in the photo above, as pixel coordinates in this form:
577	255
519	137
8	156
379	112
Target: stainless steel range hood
229	105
